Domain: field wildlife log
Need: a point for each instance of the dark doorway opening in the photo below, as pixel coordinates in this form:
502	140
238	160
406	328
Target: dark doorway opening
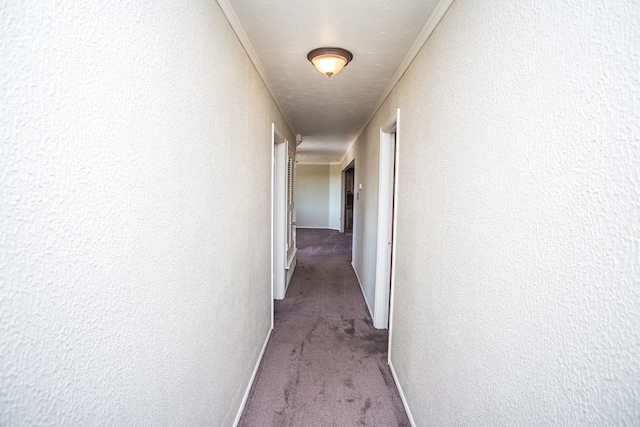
349	187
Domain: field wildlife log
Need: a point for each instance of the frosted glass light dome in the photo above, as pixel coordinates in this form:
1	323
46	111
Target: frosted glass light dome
329	60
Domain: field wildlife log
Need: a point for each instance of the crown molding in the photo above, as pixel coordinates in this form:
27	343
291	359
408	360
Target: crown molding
435	17
304	163
431	24
230	13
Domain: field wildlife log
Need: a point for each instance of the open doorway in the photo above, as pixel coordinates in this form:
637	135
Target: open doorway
347	197
387	190
283	214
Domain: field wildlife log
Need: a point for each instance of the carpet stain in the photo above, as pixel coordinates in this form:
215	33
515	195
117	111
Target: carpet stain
367	406
384	375
369	322
325	364
350	329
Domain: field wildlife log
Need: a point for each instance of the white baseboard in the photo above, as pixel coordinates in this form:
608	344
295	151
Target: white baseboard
289	274
253	377
362	290
404	401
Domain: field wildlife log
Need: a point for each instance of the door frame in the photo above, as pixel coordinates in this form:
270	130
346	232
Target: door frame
387	209
279	214
343	195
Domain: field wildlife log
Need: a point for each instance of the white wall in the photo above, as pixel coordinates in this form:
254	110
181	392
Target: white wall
316	195
335	195
135	169
517	267
365	209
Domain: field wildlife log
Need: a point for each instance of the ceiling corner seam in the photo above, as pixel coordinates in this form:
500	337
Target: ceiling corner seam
230	13
431	24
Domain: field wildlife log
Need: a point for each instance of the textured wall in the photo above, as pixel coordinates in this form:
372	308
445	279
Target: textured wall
318	195
312	195
518	266
365	210
135	166
335	195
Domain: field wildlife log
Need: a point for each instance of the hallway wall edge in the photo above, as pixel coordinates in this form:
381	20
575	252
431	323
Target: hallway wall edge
253	378
404	401
364	296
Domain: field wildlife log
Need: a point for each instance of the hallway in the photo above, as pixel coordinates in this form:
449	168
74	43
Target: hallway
325	364
138	209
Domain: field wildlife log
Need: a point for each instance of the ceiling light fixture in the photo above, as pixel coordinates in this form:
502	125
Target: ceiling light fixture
329	60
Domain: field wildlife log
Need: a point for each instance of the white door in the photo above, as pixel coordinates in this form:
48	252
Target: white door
284	214
386	221
291	210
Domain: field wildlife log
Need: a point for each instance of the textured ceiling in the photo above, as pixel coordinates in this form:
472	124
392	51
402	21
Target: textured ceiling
329	113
